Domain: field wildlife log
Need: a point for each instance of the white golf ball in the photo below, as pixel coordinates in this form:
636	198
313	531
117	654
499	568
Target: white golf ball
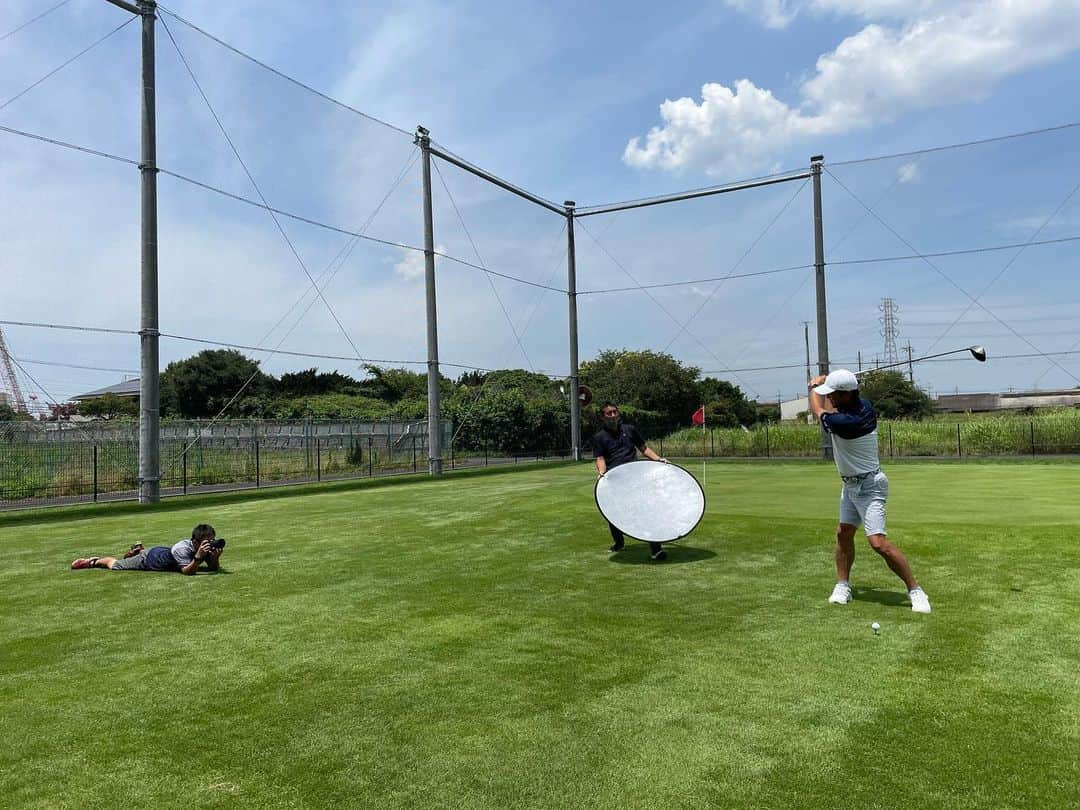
875	627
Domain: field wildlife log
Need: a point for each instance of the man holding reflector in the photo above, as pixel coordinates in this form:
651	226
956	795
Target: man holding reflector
618	444
852	424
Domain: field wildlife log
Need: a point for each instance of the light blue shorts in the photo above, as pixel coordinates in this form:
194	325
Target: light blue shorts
864	502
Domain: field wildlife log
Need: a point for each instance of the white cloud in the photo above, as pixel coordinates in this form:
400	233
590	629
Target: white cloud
909	173
771	13
411	266
780	13
873	77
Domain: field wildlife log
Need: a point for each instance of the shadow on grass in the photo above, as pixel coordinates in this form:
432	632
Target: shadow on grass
889	598
637	553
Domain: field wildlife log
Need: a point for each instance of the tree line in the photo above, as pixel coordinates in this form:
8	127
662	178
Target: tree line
511	410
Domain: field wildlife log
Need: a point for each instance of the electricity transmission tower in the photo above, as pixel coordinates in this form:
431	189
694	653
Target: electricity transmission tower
8	378
890	328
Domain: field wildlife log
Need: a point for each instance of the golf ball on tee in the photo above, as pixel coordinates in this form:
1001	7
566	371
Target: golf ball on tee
875	627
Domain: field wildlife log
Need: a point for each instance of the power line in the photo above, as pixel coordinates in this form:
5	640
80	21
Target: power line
45	13
802	364
941	272
1009	263
464	263
279	74
659	306
72	365
769	322
535	305
961	252
962	145
840	263
790	172
342	255
692	282
63	65
66	145
70	327
336	229
255	185
279	211
234	345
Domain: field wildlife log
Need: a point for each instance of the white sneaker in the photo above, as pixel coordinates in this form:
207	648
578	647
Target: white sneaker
841	594
920	602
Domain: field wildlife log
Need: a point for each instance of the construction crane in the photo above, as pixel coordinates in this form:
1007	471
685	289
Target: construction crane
8	378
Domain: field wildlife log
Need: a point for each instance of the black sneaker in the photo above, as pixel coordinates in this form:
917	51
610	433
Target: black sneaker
656	556
616	547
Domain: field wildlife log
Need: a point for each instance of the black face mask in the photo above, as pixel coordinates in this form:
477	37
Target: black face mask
612	423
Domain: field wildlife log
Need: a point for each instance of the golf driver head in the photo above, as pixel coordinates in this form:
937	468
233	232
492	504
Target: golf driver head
979	353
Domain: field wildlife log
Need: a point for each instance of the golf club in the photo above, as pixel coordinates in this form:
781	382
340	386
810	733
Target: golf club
978	352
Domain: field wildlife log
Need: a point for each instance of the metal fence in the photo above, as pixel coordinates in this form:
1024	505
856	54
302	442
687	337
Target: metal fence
1056	434
50	463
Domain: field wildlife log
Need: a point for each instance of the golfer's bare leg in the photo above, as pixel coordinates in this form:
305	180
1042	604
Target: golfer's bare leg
894	558
105	562
845	551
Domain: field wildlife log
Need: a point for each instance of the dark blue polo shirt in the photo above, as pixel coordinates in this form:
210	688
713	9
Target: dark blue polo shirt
619	447
851	423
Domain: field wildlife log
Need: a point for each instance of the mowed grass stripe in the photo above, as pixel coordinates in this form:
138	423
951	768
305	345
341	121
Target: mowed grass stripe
469	643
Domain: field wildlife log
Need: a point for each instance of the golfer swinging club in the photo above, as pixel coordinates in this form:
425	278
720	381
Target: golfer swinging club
852	424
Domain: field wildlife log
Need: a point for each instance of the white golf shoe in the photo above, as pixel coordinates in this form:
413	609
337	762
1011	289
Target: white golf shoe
920	602
841	594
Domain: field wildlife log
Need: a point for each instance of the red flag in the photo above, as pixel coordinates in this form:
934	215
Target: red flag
699	416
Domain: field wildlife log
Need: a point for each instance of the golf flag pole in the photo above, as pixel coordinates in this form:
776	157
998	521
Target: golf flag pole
699	419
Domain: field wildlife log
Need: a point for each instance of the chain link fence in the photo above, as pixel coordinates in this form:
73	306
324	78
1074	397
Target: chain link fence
50	463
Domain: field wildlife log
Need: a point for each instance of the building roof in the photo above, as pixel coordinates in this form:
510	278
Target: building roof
1008	400
128	388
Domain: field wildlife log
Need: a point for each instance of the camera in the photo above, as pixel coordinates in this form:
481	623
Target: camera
217	543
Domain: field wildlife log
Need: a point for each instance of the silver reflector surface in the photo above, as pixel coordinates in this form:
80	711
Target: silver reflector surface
650	500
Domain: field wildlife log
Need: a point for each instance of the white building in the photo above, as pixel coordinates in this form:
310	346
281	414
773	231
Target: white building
791	409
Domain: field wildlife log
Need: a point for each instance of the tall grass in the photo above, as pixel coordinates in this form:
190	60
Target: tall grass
1050	433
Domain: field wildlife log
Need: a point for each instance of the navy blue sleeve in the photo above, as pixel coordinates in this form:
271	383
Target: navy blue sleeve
851	424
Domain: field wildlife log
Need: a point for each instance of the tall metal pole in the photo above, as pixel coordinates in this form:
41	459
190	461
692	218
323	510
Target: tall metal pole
571	293
819	275
149	391
423	140
806	340
910	367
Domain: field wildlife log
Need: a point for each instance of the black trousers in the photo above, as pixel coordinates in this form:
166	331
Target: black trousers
617	536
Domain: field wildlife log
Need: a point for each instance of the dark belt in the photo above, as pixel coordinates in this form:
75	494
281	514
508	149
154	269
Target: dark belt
854	479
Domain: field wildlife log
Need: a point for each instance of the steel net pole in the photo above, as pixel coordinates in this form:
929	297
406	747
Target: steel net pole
434	424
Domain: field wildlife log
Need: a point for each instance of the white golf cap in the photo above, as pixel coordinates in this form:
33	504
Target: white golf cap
839	380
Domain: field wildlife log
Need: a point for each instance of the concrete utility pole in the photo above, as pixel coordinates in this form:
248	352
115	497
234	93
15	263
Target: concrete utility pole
819	276
910	369
423	140
149	389
571	294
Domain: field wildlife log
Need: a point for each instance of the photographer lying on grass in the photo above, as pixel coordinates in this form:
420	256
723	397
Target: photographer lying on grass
185	557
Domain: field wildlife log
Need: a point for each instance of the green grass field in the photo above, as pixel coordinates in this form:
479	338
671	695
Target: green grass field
469	643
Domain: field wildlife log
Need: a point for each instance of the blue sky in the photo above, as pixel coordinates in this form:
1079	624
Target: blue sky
596	102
